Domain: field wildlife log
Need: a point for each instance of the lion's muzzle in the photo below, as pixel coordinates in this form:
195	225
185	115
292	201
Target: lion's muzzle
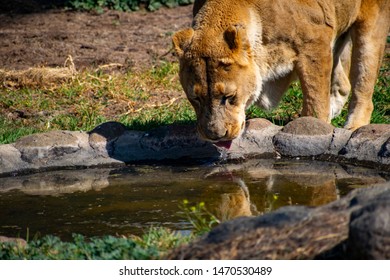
219	128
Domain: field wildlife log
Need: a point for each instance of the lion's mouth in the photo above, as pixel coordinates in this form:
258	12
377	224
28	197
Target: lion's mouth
223	144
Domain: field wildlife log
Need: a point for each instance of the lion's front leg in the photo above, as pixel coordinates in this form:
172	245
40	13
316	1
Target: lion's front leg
314	70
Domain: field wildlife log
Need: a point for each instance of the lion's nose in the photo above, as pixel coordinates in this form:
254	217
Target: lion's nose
213	133
218	137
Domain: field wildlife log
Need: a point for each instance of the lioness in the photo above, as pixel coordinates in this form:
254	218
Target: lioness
243	51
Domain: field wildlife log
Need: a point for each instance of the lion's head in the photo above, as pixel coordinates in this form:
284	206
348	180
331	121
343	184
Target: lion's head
219	77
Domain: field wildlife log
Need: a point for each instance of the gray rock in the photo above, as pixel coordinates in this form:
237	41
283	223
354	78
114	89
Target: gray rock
385	150
304	137
126	147
111	144
164	143
236	228
369	143
46	146
339	140
52	150
369	231
10	159
175	142
107	131
101	137
308	126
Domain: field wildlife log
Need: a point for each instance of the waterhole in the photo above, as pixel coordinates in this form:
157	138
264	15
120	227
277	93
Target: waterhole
130	200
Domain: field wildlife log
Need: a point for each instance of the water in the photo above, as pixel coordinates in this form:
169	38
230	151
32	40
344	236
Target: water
130	200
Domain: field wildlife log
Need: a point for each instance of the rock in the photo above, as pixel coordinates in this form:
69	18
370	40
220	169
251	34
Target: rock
241	226
339	140
257	124
55	150
107	131
101	137
173	142
385	150
369	143
356	226
304	137
369	231
308	126
46	146
10	159
126	147
112	144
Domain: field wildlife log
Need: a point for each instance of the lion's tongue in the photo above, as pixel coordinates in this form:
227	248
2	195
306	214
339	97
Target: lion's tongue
224	144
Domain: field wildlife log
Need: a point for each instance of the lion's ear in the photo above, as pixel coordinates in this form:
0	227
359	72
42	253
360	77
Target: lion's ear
236	38
181	39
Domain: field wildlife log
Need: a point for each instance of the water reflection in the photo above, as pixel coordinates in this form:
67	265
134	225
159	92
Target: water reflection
129	200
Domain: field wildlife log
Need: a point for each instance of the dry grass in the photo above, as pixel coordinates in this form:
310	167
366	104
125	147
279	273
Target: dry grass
38	77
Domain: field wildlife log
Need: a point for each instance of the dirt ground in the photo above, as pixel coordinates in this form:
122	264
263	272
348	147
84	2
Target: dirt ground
35	36
45	37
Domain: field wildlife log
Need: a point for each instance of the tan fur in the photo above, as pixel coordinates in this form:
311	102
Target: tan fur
239	52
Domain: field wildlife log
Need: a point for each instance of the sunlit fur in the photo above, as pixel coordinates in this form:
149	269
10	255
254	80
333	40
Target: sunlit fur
240	52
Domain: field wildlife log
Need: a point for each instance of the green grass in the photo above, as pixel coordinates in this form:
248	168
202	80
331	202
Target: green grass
200	218
10	131
287	110
382	96
152	245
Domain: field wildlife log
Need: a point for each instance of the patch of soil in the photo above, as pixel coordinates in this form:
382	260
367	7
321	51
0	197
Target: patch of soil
46	37
34	35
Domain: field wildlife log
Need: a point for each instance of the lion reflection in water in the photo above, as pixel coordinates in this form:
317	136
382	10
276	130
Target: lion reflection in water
313	190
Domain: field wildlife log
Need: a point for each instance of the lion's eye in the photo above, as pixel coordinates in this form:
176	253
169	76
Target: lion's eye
230	99
225	66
